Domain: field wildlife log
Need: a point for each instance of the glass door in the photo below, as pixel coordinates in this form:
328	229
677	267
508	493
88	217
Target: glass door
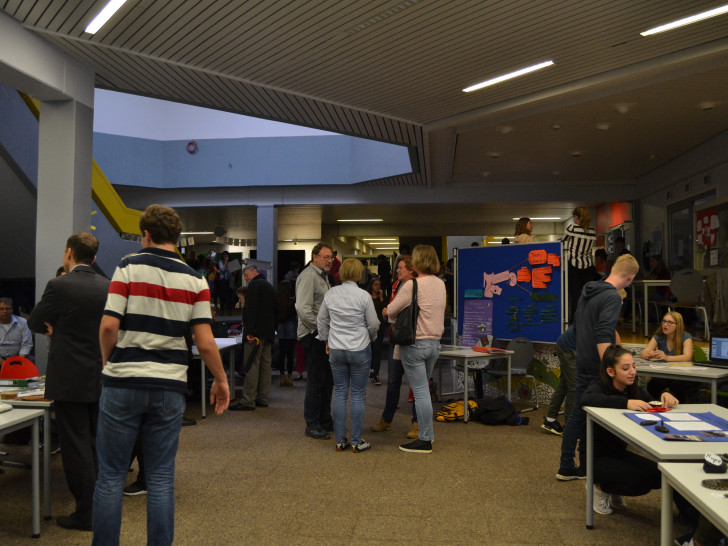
682	231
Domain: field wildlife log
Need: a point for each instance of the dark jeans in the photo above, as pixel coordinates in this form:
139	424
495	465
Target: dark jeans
377	346
632	475
565	390
286	350
319	386
575	429
76	424
394	385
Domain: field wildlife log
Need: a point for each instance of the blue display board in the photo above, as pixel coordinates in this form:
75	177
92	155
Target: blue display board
510	291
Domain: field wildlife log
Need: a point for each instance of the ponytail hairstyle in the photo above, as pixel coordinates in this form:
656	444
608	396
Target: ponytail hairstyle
610	360
582	213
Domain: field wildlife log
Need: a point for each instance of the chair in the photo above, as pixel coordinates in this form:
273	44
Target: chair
687	288
17	367
520	361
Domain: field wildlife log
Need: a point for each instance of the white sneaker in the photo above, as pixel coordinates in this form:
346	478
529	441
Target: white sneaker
601	502
617	502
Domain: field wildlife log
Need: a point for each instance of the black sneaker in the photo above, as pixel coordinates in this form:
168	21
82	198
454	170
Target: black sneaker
361	446
134	489
418	446
376	380
568	474
318	433
552	426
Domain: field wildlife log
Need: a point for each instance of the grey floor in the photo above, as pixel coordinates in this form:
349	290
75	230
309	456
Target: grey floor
254	478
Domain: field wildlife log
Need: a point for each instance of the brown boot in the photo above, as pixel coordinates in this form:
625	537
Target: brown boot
381	426
414	433
290	380
283	380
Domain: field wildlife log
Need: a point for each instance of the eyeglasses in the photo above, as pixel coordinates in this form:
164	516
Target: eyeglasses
327	258
668	322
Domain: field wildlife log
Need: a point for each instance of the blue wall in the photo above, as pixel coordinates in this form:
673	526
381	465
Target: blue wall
274	161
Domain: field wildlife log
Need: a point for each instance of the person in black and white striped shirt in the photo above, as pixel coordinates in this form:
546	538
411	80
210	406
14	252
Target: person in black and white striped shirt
578	240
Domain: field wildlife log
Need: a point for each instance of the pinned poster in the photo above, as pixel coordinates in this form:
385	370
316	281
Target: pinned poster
522	283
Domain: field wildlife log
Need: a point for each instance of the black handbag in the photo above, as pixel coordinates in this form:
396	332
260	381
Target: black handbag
405	328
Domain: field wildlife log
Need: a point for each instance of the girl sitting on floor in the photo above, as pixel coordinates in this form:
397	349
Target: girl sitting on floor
619	472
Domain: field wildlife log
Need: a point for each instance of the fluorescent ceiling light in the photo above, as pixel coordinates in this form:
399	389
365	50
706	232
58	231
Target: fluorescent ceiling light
389	239
100	20
509	76
197	233
361	220
543	218
687	20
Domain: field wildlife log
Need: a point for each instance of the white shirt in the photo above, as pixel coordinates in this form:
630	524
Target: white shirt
347	318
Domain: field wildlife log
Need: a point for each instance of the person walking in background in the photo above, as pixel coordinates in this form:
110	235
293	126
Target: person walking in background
15	336
578	241
153	300
375	291
260	317
384	272
73	305
524	227
311	286
335	267
419	358
222	285
347	322
286	331
395	370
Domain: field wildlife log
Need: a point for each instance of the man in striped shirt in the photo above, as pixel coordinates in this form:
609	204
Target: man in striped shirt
153	300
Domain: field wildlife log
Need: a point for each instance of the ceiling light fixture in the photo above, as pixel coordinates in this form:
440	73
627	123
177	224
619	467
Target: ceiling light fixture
508	76
381	239
106	13
197	233
543	218
687	20
360	220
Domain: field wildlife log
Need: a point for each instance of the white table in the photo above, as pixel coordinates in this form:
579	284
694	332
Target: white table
224	344
45	405
466	355
646	283
650	445
686	371
686	478
15	419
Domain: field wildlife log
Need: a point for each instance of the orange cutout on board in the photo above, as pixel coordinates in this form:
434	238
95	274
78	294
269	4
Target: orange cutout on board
541	276
554	259
524	274
536	257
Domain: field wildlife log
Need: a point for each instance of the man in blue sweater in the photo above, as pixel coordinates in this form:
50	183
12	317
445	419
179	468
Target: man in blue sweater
595	326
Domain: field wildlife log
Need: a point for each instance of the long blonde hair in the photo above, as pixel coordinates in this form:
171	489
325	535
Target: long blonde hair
582	213
679	330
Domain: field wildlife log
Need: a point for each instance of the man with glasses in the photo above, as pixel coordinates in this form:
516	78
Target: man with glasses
311	285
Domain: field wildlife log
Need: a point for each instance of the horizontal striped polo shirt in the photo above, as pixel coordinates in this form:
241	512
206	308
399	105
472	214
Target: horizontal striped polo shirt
157	297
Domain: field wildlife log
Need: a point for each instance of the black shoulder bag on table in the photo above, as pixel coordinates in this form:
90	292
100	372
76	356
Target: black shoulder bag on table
405	328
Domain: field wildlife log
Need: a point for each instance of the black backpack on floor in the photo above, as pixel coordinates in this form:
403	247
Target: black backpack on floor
497	411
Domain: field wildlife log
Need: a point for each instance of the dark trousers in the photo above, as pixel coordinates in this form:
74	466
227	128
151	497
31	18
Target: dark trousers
377	345
577	279
286	350
76	426
319	386
575	429
395	371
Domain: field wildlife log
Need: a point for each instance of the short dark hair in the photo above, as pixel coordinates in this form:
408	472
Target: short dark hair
9	301
83	247
163	224
241	291
319	246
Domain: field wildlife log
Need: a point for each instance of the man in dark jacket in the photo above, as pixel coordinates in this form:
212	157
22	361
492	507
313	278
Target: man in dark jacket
595	325
73	305
260	317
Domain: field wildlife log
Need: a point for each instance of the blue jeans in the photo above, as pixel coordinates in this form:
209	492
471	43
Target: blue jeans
349	366
575	428
156	417
395	371
418	361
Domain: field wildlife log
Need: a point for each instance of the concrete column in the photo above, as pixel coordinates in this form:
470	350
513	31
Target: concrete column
268	237
64	189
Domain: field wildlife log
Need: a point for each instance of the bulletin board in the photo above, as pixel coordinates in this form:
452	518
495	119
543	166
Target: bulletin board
510	291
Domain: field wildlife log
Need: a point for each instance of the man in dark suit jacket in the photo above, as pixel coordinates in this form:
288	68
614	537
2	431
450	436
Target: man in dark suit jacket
260	318
73	305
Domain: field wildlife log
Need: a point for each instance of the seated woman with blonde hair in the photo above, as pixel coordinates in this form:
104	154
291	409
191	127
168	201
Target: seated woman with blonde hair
670	343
